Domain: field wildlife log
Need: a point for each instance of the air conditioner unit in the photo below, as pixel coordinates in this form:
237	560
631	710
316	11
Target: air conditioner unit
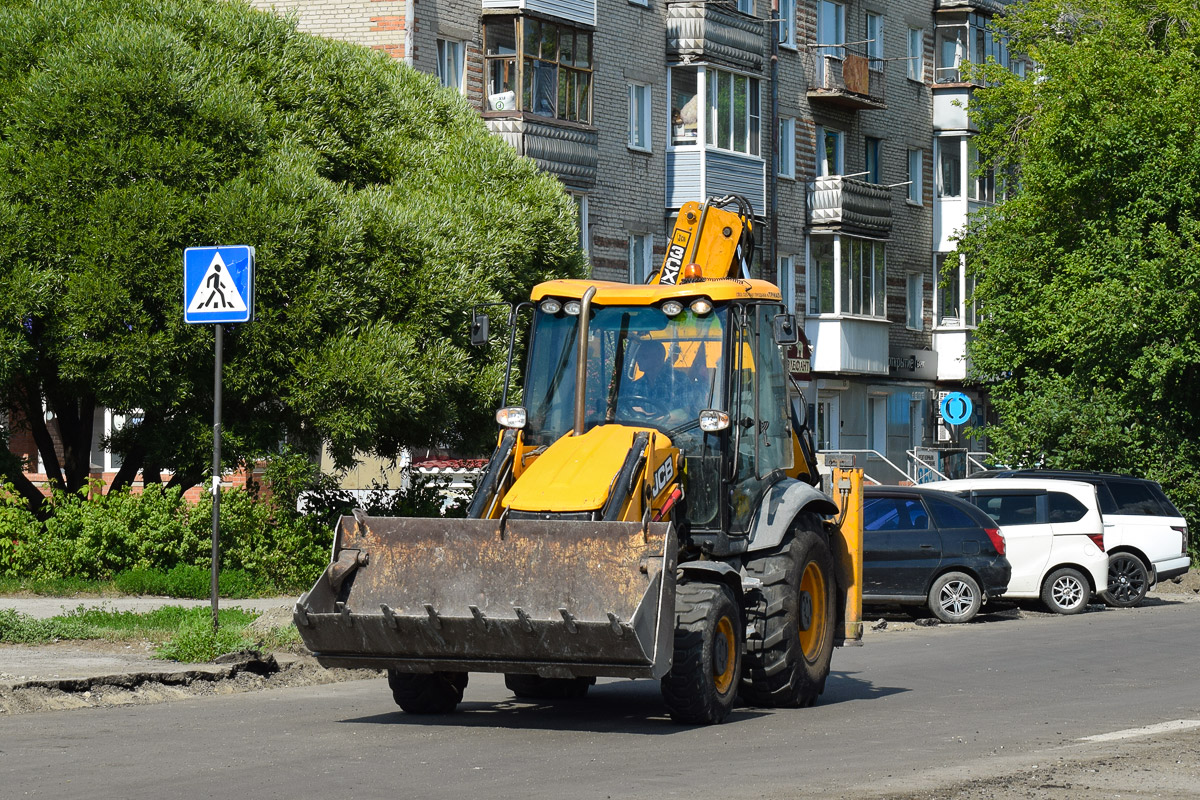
502	101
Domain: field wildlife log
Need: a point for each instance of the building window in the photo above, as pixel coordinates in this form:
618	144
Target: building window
581	220
830	151
641	257
684	116
746	6
981	180
973	40
847	275
450	63
733	111
639	117
872	152
916	167
831	36
954	290
949	166
787	23
785	148
786	275
914	317
875	40
916	54
554	78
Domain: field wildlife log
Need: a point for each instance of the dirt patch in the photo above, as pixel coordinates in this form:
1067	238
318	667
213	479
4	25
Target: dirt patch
1189	584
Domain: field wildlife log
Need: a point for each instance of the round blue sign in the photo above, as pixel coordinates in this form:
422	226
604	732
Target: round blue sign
956	408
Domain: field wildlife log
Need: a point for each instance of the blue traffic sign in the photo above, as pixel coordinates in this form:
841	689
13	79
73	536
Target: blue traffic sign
956	408
218	284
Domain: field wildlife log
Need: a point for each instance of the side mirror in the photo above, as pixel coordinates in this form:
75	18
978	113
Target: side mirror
479	329
785	329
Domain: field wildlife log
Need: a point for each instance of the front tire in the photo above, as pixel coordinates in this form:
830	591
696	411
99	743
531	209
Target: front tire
427	693
955	598
789	651
1127	581
701	687
1066	591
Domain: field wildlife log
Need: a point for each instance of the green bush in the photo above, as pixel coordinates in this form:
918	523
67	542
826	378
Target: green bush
196	642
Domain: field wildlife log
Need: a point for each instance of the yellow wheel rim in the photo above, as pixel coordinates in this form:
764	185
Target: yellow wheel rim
812	583
723	668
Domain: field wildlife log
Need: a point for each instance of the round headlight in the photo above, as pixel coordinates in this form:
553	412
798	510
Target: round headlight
701	306
572	307
550	306
672	307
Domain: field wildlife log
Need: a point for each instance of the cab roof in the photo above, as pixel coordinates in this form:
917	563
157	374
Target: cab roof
638	294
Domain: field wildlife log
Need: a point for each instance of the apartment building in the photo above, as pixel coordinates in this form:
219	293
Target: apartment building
843	123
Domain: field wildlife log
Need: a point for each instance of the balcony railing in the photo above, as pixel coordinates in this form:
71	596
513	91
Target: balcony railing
846	77
699	30
837	202
570	152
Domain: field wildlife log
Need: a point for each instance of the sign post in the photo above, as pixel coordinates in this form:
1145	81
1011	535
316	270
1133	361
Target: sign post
218	288
956	409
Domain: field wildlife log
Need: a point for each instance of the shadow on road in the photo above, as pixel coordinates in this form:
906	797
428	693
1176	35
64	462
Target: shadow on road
843	687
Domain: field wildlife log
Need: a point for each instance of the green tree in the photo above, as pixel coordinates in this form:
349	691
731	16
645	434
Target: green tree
380	207
1088	275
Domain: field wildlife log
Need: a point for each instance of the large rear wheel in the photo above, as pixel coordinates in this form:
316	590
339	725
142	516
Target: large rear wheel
701	687
1128	581
428	693
791	644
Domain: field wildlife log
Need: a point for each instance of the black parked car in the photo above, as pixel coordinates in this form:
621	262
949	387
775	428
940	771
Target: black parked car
923	547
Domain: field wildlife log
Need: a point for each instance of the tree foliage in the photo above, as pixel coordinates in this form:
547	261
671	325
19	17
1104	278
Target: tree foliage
1088	276
380	207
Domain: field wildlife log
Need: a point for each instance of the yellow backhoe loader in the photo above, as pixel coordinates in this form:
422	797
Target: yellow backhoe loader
651	510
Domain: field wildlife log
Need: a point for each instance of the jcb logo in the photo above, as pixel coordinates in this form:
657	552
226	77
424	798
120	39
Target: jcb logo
674	260
663	476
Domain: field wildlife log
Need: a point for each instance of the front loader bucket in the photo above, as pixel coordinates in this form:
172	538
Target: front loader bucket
548	597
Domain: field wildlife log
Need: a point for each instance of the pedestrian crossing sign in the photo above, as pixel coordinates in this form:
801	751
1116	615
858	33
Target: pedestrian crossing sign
218	284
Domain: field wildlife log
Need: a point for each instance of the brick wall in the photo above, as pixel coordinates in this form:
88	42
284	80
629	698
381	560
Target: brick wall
379	24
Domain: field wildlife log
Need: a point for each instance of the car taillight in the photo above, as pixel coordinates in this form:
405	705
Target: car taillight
1098	540
1183	534
997	539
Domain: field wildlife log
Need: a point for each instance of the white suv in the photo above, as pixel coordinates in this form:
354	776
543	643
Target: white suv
1053	533
1145	535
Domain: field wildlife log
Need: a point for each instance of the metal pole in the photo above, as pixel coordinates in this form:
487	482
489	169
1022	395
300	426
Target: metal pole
216	473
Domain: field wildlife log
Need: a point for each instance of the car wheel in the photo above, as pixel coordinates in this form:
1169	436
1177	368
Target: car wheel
1127	581
1066	591
955	597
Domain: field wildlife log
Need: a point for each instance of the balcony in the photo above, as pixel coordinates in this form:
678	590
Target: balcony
853	206
950	346
580	11
841	77
693	174
569	152
700	31
848	345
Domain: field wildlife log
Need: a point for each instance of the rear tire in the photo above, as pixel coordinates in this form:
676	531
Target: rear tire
789	650
1127	581
701	687
535	687
954	597
1066	591
427	693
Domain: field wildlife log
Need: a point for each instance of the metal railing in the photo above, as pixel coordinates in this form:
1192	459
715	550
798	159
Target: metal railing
870	454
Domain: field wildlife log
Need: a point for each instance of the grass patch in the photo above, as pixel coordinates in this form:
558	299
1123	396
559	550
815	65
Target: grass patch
181	581
180	634
56	587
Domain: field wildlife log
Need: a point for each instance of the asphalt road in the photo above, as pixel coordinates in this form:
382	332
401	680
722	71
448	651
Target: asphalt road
912	710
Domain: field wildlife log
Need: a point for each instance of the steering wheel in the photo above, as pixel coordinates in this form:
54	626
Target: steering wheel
648	407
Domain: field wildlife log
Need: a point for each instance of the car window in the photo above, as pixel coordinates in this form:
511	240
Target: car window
1163	500
948	515
1134	498
1065	508
894	514
1008	508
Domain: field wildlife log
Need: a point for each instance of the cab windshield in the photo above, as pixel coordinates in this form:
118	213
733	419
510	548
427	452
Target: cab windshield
643	368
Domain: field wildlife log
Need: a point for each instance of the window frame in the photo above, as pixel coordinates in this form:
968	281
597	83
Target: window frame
518	68
916	55
717	81
858	273
914	312
948	156
916	191
874	40
785	273
787	24
824	136
641	117
442	47
640	273
873	159
785	148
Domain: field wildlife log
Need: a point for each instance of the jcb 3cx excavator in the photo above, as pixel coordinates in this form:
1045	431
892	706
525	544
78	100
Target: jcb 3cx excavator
650	511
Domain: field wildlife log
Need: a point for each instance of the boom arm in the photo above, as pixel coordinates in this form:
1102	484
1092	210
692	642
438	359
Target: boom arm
709	242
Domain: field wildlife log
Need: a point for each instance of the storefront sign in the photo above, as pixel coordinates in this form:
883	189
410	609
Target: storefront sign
904	362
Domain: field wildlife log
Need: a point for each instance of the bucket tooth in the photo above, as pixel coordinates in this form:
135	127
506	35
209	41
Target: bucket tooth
389	616
434	619
479	616
300	615
615	622
526	623
569	618
344	610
